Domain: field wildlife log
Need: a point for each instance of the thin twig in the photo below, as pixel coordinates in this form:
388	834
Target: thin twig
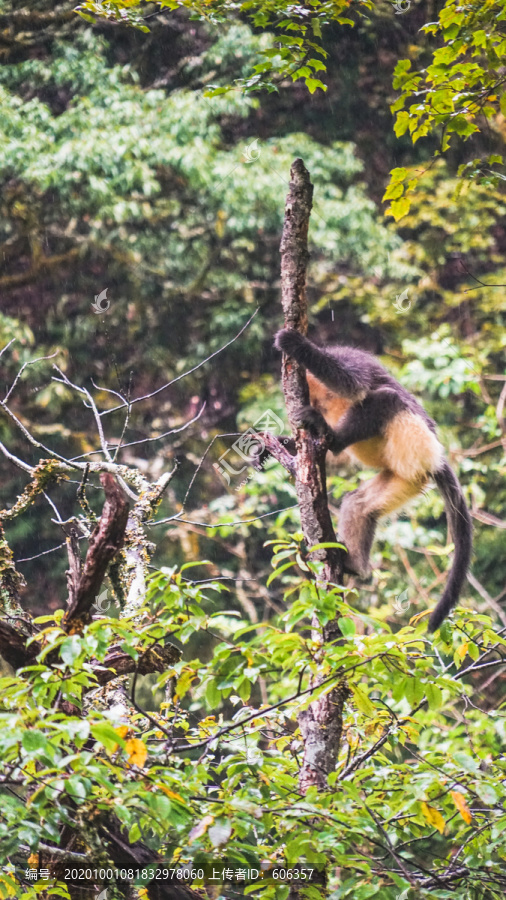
486	596
177	518
189	372
25	365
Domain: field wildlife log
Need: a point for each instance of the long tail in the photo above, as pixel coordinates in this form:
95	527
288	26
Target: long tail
459	521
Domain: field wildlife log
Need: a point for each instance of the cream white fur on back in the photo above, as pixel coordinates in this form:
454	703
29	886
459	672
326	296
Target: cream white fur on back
411	449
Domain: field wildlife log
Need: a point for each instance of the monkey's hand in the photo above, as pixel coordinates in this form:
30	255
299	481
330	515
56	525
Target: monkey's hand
290	342
312	419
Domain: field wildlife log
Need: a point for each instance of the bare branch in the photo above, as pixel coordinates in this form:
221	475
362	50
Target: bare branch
25	365
2	351
276	448
491	603
177	518
500	411
185	374
158	437
75	567
28	436
92	405
17	462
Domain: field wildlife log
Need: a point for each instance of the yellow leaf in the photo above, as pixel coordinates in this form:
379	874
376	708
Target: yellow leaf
7	889
200	829
462	650
137	752
433	817
172	794
30	767
460	803
399	208
122	730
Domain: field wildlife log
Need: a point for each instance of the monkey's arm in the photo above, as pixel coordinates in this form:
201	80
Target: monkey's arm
361	422
352	380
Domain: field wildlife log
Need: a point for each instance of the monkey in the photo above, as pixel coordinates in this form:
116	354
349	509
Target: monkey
358	406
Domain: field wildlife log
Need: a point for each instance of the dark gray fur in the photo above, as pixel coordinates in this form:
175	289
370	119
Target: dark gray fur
352	373
358	376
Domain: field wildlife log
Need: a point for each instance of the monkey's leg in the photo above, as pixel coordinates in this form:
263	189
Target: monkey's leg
360	511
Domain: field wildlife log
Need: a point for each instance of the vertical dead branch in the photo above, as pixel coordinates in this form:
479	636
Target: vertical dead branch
75	568
321	723
105	542
310	470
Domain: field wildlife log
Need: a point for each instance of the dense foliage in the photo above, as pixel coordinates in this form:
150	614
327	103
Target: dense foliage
150	164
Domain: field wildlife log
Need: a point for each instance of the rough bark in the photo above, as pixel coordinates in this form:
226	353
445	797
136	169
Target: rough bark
13	646
156	659
321	723
14	650
136	856
310	468
105	542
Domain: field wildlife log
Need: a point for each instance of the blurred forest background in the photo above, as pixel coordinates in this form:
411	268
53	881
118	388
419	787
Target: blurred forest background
119	173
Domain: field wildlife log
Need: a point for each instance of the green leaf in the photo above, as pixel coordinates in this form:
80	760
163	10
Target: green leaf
33	741
393	192
317	65
434	695
77	788
134	833
71	649
105	734
347	627
213	696
303	72
414	691
244	689
466	762
313	83
401	123
278	572
362	701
